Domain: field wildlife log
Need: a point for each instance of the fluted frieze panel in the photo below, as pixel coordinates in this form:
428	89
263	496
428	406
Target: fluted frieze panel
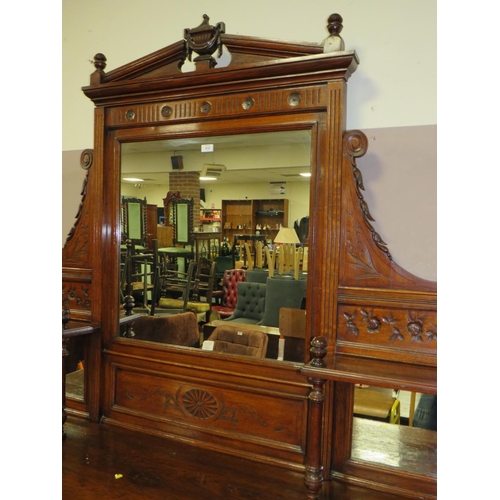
249	103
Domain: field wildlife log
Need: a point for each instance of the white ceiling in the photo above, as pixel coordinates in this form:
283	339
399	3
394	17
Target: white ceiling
175	147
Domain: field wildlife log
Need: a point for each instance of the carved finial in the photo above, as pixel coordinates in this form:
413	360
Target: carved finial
318	351
205	41
100	62
334	42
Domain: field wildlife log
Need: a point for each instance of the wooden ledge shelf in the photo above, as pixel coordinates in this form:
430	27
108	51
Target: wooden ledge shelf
377	372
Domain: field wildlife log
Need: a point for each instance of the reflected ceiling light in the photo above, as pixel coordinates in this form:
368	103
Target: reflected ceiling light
133	179
212	170
306	174
208	178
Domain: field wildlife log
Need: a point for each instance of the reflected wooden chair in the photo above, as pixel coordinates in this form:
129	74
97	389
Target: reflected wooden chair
134	221
376	405
200	300
292	325
176	287
204	280
140	273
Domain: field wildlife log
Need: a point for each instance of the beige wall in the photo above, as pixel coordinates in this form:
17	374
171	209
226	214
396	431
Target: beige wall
391	97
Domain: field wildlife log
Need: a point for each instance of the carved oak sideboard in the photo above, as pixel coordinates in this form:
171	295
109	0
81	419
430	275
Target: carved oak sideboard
370	321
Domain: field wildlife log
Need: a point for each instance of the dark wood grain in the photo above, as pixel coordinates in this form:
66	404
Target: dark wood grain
154	468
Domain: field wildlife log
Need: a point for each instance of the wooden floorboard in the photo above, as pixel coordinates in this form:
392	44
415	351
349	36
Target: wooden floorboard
154	468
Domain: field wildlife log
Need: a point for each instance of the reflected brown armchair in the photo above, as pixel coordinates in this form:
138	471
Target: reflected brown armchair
176	329
231	340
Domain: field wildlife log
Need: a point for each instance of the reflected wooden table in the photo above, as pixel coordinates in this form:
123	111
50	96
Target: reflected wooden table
179	253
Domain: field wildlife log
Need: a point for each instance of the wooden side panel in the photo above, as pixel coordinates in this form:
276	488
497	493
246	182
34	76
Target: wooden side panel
77	274
411	333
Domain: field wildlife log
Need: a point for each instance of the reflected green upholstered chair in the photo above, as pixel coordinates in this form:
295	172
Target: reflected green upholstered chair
280	293
250	304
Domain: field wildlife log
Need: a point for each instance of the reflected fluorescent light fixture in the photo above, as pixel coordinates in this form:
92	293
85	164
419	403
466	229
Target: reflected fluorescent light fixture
212	170
133	179
286	235
306	174
208	178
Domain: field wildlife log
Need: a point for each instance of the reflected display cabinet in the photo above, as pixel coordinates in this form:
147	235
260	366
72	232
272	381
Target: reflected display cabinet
368	321
254	216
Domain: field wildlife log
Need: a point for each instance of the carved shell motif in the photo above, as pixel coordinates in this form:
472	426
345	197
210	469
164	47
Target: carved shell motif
200	403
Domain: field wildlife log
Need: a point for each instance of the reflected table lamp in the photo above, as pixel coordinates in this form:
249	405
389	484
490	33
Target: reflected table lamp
288	256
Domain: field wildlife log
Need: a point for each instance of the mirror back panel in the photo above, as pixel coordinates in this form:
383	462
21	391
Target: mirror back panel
358	299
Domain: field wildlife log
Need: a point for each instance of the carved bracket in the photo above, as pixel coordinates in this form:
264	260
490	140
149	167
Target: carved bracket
86	160
355	146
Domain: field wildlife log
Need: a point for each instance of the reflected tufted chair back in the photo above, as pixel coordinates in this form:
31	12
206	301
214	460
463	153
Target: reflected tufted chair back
231	340
250	304
177	329
230	291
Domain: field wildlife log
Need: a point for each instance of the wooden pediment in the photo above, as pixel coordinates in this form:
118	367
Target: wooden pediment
250	57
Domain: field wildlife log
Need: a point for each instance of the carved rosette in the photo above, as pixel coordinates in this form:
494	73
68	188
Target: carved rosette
76	296
86	158
200	404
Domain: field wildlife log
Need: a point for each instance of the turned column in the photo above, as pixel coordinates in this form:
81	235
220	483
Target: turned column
314	469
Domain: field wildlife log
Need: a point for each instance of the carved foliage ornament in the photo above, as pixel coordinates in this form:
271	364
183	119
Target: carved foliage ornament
86	160
76	296
417	329
356	145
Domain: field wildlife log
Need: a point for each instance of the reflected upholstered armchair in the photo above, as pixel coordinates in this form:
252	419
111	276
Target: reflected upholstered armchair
177	329
282	292
250	304
229	292
231	340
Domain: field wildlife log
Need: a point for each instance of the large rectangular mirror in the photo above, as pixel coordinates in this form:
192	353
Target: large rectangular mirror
262	184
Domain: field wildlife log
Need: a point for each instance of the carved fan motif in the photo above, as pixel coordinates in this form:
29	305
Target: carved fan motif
199	403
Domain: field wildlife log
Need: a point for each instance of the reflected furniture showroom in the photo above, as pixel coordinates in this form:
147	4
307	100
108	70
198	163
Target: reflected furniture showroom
368	321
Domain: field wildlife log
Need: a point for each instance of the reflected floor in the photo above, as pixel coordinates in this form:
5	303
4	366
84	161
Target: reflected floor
74	384
392	445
